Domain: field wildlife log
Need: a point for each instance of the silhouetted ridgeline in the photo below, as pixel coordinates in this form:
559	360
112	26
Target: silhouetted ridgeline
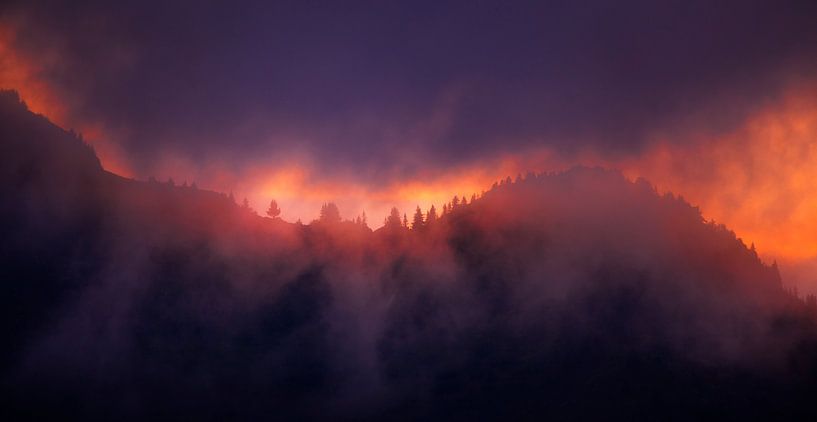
575	294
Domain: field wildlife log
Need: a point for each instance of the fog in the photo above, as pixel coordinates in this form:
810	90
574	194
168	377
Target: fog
574	294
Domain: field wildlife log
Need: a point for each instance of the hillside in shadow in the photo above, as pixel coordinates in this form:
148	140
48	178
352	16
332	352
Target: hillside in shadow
570	295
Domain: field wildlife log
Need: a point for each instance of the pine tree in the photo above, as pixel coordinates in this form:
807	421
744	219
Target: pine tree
393	220
330	213
431	217
273	211
417	222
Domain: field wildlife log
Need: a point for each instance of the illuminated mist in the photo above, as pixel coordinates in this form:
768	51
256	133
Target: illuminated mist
624	196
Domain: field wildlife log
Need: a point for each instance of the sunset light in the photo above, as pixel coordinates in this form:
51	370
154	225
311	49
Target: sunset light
408	210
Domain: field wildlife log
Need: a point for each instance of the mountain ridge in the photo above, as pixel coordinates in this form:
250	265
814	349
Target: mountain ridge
571	295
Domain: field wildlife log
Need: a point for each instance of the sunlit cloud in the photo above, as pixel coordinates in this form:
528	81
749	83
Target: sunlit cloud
25	74
22	73
759	179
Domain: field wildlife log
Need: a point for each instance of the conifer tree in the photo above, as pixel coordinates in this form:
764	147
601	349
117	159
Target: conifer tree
330	213
417	222
393	220
273	211
431	217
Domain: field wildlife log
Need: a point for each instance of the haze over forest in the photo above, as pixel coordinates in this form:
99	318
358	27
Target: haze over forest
570	294
445	210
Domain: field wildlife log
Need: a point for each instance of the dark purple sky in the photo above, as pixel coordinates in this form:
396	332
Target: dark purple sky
366	85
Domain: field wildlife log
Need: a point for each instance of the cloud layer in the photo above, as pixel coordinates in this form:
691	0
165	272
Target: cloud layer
392	88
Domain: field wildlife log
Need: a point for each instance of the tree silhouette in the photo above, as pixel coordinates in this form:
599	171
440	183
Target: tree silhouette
273	211
393	220
330	213
417	222
431	218
456	288
455	202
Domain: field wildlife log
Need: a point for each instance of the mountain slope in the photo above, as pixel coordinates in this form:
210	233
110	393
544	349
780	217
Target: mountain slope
572	295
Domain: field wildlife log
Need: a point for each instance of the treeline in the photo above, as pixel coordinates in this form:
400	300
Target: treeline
570	295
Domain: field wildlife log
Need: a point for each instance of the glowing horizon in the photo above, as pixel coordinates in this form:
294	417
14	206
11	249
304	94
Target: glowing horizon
784	133
756	176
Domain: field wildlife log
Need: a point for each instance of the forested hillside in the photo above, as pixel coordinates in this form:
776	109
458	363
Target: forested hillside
576	294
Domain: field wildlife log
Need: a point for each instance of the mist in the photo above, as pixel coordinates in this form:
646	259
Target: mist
570	294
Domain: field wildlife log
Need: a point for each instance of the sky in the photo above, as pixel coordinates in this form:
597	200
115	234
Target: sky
375	104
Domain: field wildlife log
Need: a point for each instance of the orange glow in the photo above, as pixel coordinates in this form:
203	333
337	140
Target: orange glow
23	73
20	73
760	180
300	190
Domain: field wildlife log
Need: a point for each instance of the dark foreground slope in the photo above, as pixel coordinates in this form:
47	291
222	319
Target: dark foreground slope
568	295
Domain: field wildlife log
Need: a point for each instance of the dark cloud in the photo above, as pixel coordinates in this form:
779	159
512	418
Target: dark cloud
359	84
